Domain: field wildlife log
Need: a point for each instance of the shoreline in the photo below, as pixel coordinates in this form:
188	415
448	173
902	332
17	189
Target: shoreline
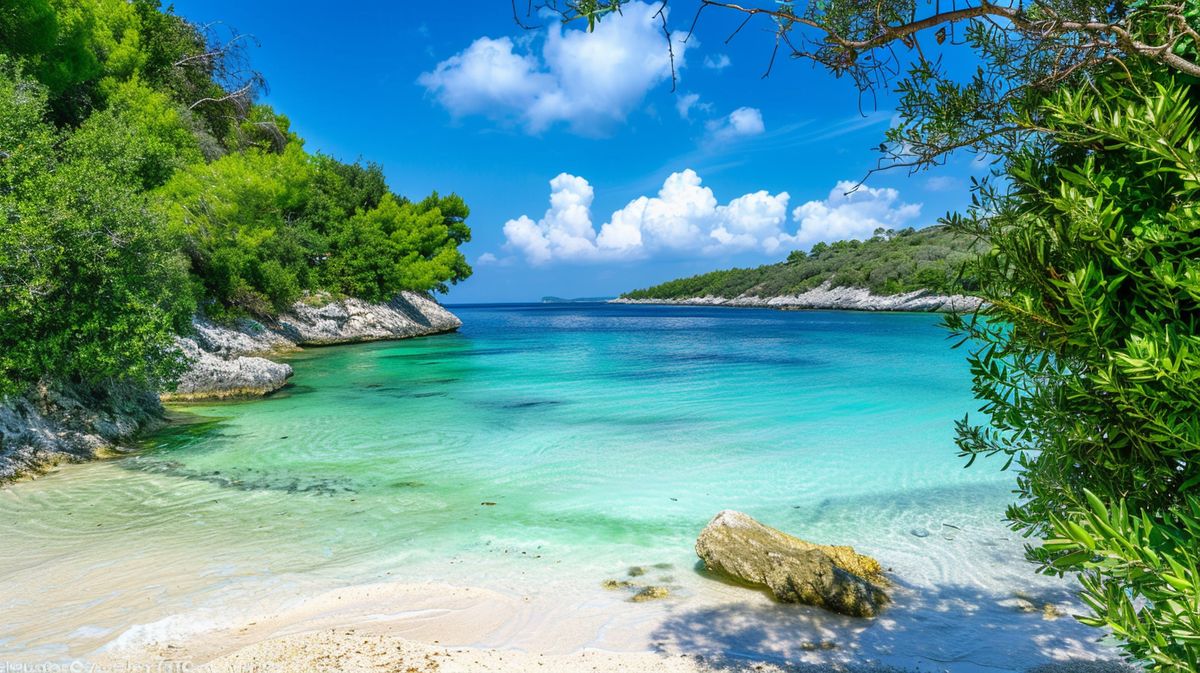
829	298
53	424
434	627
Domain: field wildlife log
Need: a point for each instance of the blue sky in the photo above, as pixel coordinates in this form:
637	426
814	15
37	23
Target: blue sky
469	102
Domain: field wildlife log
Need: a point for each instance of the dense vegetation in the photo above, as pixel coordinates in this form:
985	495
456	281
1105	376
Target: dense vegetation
1089	364
1086	356
140	180
890	262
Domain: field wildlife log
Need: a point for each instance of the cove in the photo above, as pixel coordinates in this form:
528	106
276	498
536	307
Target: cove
531	456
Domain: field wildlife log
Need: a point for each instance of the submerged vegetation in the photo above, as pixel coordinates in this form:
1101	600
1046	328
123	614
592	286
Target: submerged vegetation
139	180
890	262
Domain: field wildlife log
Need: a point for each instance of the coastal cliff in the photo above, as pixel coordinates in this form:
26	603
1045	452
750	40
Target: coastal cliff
827	297
53	424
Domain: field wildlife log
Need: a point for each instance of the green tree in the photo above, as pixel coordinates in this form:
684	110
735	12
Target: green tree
239	219
88	279
1088	360
398	246
143	136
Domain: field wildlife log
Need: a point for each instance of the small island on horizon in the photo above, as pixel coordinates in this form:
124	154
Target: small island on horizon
577	300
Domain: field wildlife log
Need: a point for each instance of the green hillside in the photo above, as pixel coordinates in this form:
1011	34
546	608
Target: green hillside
891	262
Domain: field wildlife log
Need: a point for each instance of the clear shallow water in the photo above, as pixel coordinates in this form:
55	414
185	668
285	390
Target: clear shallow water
540	450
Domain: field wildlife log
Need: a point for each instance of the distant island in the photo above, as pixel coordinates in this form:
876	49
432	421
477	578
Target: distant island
907	270
577	300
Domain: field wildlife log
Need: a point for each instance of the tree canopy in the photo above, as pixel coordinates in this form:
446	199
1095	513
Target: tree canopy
141	180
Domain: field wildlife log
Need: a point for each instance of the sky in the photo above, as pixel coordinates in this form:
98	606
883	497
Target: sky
587	172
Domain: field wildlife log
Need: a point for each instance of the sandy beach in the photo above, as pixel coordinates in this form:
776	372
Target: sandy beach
418	628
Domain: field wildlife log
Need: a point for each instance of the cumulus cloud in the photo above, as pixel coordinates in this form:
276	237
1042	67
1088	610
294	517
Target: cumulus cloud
851	212
588	81
718	62
742	122
686	218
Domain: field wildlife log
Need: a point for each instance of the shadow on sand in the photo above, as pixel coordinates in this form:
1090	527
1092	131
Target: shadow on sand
954	628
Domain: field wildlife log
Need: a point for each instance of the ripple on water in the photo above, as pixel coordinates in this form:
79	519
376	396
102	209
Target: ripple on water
539	453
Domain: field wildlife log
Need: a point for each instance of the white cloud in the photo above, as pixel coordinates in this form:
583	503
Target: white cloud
685	103
741	123
942	183
851	212
589	81
720	62
685	218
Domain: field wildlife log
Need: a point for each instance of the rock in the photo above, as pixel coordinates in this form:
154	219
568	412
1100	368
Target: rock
54	424
225	360
353	320
637	571
1050	612
809	646
920	532
210	376
650	594
50	425
833	577
613	585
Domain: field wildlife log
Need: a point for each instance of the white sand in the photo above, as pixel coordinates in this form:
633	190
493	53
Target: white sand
419	628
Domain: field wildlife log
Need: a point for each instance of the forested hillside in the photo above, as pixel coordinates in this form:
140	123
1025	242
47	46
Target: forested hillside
890	262
140	180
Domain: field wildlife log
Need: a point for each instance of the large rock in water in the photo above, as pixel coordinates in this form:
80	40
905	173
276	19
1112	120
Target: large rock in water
796	571
212	377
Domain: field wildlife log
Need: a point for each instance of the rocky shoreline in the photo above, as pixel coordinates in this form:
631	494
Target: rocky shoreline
54	424
231	361
827	297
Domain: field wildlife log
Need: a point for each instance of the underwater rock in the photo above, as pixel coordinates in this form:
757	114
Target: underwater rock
832	577
920	532
1024	605
613	585
651	594
809	646
1050	612
637	571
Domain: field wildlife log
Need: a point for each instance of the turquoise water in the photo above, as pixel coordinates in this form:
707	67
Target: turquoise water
538	451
